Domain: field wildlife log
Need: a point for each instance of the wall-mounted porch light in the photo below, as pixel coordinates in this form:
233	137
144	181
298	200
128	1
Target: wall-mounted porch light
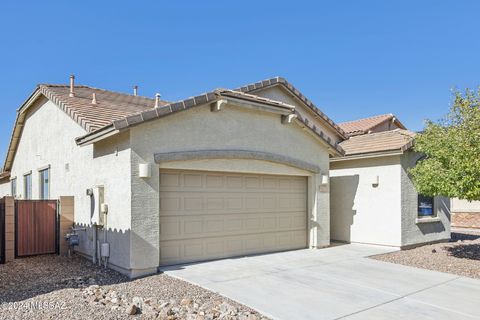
324	180
144	170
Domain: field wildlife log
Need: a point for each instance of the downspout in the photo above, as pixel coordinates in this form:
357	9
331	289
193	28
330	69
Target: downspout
94	225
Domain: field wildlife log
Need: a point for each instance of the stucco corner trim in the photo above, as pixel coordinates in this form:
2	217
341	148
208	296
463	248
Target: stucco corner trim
235	154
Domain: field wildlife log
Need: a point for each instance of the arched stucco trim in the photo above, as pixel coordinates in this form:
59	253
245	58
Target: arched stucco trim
235	154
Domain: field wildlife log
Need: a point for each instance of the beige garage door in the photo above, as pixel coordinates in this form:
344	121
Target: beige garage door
211	215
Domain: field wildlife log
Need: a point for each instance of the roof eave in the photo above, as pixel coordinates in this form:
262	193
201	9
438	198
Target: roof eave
367	155
18	128
97	135
296	94
157	113
4	177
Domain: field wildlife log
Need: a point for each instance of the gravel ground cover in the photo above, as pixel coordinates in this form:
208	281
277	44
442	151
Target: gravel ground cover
460	256
53	287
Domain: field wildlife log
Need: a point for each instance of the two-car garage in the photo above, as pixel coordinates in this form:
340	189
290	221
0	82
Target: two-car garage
210	215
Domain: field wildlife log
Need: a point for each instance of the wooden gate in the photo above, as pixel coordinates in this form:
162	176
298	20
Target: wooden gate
36	229
2	230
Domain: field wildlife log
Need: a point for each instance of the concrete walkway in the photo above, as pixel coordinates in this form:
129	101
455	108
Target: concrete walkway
336	283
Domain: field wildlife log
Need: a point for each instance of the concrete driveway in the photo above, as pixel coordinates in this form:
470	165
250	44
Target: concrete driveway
336	283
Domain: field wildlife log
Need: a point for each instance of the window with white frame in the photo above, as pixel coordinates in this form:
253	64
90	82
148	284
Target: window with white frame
13	187
27	186
44	184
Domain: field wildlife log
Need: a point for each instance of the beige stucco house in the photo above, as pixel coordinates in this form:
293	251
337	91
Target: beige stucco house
222	174
373	199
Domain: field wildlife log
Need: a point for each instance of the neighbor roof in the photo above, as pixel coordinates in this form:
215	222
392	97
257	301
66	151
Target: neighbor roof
362	126
394	140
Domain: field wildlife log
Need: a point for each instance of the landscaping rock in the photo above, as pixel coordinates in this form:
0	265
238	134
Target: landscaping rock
131	309
460	256
85	291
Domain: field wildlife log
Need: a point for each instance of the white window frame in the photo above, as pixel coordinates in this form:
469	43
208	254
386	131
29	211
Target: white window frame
13	182
41	182
27	189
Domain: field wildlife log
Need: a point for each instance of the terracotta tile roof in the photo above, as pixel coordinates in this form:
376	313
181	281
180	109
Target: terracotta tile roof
110	106
210	97
118	110
397	139
362	126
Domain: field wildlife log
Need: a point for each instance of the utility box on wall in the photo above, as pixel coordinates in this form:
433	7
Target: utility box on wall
98	199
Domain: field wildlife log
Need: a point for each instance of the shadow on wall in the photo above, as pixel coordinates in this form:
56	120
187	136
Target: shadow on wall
119	241
342	197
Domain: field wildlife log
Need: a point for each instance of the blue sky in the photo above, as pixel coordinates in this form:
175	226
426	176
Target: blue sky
352	58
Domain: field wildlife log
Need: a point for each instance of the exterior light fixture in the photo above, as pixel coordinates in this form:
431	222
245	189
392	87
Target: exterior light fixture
324	179
144	170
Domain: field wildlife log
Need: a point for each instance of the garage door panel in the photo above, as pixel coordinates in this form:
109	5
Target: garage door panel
197	226
209	215
191	204
183	251
194	181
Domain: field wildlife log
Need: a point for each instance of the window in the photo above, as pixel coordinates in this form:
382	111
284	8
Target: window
13	187
27	186
425	206
44	184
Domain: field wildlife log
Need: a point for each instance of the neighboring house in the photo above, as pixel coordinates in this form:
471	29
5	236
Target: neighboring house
465	214
373	199
383	122
222	174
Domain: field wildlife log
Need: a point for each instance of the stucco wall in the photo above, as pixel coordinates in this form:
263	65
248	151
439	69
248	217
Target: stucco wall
361	212
4	189
412	232
48	140
231	128
280	94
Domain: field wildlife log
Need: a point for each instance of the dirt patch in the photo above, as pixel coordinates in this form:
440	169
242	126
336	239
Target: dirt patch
53	287
460	256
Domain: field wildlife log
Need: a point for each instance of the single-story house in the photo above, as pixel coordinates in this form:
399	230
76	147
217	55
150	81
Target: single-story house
222	174
372	198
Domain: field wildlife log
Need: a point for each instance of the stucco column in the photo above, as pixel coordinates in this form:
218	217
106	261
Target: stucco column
66	221
319	221
9	229
145	232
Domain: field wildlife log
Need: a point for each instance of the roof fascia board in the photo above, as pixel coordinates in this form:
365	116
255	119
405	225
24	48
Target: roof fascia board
296	94
96	136
368	155
18	128
248	104
332	149
237	101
